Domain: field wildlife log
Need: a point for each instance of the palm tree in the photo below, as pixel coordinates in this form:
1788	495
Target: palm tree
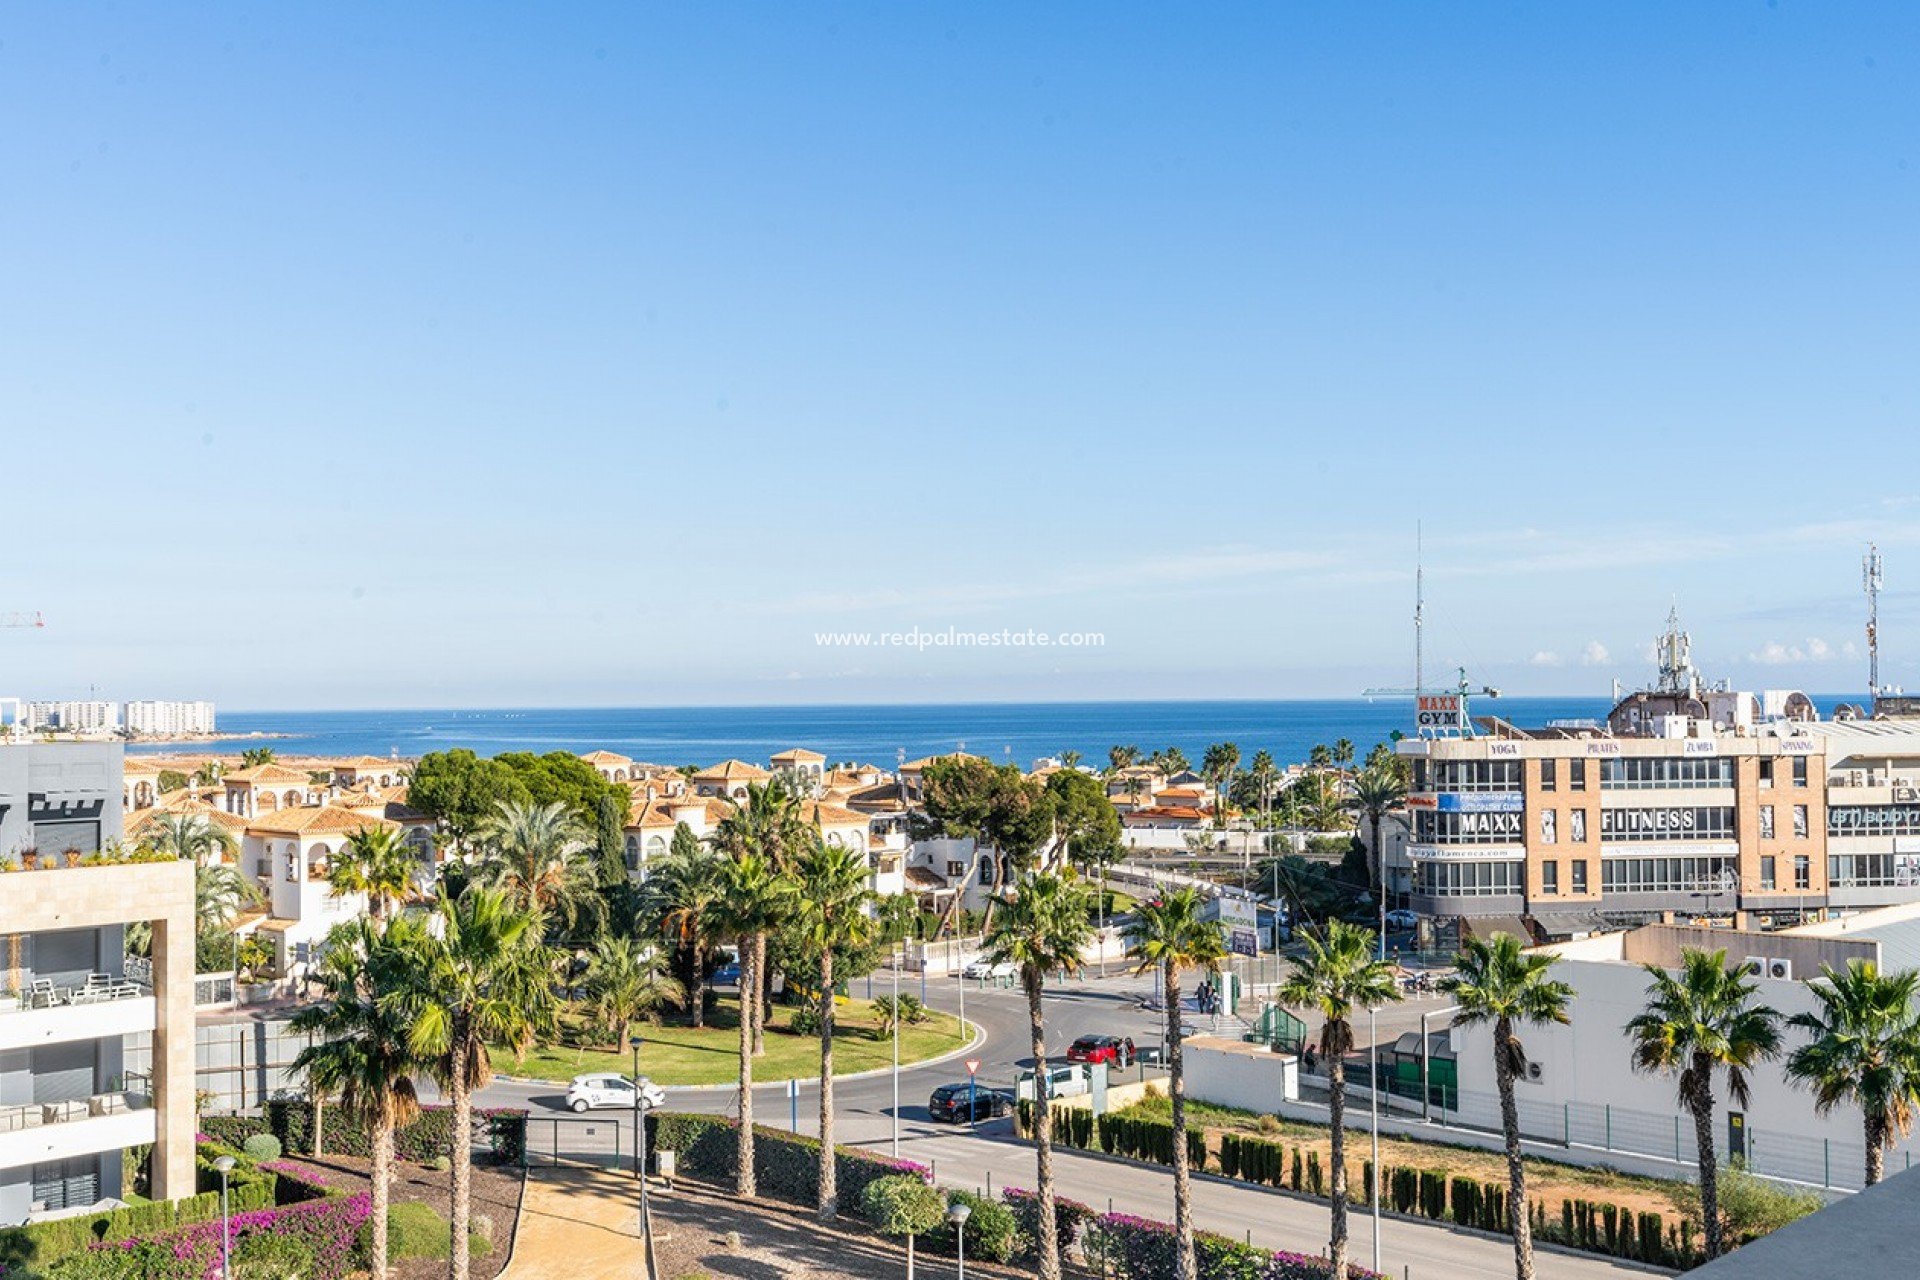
1262	770
1170	936
753	897
191	836
1337	976
1376	793
767	823
359	1047
1042	929
220	894
677	903
626	981
1865	1050
376	861
458	996
1501	982
1121	758
834	897
536	855
1217	765
1697	1021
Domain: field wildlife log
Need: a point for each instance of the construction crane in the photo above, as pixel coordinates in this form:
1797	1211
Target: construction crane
32	619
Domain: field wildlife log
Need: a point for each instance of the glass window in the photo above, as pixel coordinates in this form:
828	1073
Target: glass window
1799	771
1800	821
1766	771
1577	774
1549	770
1547	825
1767	878
1677	823
1577	825
1549	877
1580	875
1766	822
1434	827
1802	871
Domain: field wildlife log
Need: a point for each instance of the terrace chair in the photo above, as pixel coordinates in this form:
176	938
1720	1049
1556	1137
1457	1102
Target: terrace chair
42	994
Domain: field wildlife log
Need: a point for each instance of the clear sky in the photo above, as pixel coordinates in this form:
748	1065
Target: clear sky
357	355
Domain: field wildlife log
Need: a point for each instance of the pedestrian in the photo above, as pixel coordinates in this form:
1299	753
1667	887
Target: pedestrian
1307	1060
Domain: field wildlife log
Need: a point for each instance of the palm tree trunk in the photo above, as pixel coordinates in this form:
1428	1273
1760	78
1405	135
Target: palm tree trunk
743	1179
1376	859
319	1130
1186	1265
1337	1157
697	989
1516	1167
459	1262
382	1177
1876	1151
1701	1104
1046	1237
829	1188
762	994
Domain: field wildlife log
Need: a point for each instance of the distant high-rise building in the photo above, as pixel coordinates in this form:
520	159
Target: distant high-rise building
74	716
160	719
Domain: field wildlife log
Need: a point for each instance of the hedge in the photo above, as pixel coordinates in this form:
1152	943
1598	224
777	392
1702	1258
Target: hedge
1070	1217
326	1232
786	1165
290	1120
1142	1249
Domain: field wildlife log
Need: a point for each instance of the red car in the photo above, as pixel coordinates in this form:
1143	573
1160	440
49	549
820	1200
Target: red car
1115	1051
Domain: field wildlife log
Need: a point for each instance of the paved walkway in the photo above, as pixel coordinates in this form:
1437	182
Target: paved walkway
578	1224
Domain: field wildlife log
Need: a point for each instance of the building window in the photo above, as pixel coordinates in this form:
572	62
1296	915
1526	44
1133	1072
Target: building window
1547	824
1802	871
1548	771
1577	825
1580	875
1799	771
1645	773
1661	875
1766	771
1874	870
1477	775
1467	879
1577	771
1654	824
1766	822
1768	879
955	869
1549	877
1800	821
1449	828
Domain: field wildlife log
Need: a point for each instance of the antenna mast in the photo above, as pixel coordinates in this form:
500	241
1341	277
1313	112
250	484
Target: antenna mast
1870	581
1419	614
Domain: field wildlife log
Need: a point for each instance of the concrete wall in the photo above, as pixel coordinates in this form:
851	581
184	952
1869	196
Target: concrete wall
70	790
1232	1073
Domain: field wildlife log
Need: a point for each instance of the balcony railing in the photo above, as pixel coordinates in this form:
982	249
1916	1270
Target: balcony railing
35	1115
45	993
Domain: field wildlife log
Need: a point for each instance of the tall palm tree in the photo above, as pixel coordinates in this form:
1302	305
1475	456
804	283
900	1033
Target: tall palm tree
220	894
1337	976
376	861
766	823
677	903
1699	1020
459	996
1170	936
834	897
1865	1051
1502	983
1217	765
1042	929
753	898
1376	793
626	981
191	836
1262	770
536	855
360	1047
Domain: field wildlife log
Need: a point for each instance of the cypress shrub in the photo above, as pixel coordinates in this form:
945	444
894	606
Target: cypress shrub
1316	1177
1296	1183
1196	1149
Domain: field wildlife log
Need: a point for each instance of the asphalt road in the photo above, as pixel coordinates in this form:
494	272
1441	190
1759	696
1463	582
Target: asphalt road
988	1155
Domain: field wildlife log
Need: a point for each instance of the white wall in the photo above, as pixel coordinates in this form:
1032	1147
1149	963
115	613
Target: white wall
1229	1073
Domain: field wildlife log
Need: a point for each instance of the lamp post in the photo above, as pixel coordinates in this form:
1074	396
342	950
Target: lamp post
1373	1094
898	959
225	1165
957	1214
639	1137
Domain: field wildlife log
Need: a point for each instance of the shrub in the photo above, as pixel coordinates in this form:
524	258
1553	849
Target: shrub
440	1164
1069	1218
788	1166
1141	1249
291	1121
261	1146
902	1205
273	1257
416	1230
320	1239
990	1228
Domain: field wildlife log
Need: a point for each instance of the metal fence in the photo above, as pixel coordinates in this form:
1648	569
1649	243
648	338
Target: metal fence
597	1142
237	1065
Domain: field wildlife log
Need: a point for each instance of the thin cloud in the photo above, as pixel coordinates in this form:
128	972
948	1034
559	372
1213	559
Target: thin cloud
1595	655
1545	658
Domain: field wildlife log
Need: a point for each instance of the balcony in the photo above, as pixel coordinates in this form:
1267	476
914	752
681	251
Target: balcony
39	1132
100	1007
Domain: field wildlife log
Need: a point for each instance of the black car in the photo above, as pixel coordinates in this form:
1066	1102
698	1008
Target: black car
957	1103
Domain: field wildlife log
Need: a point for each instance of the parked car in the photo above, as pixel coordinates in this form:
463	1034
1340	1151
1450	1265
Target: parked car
955	1103
727	975
1063	1080
984	971
612	1091
1116	1051
1401	918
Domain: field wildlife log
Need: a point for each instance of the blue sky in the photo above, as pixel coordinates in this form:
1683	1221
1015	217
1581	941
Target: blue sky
431	355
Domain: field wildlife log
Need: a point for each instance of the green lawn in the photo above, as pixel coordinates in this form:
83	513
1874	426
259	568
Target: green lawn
676	1054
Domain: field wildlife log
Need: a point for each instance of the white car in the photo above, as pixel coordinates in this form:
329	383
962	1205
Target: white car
985	971
1402	919
613	1091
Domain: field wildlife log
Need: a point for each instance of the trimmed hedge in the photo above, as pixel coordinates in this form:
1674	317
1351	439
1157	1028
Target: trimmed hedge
991	1228
321	1236
291	1122
786	1166
1142	1249
1070	1217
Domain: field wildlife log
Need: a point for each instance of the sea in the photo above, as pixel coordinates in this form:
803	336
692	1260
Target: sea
1014	732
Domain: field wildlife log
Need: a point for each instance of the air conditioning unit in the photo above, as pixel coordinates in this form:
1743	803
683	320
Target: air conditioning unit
1780	968
1754	966
1769	967
1534	1073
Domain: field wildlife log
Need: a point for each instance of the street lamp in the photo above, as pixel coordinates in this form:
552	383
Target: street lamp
899	959
957	1214
225	1165
1373	1093
639	1136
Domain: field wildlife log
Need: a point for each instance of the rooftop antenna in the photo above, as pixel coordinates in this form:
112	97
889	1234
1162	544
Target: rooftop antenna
1419	613
1674	653
1870	582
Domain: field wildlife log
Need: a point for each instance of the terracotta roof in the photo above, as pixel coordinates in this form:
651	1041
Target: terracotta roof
921	878
799	754
650	813
269	772
277	924
732	771
884	796
1168	811
919	766
231	822
606	757
326	819
820	813
358	763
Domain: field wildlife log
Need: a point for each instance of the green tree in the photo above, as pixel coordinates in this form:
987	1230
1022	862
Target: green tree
626	981
376	861
1216	766
1864	1051
254	757
172	780
1698	1021
464	792
1006	814
1501	983
1170	936
832	918
191	836
359	1049
460	991
754	898
220	894
1069	759
679	903
768	823
904	1205
1343	753
1375	795
1334	978
535	854
1086	827
1042	930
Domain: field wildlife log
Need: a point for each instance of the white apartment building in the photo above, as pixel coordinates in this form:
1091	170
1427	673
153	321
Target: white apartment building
161	719
78	716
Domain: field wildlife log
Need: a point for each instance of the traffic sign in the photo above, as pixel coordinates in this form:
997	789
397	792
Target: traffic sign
973	1066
